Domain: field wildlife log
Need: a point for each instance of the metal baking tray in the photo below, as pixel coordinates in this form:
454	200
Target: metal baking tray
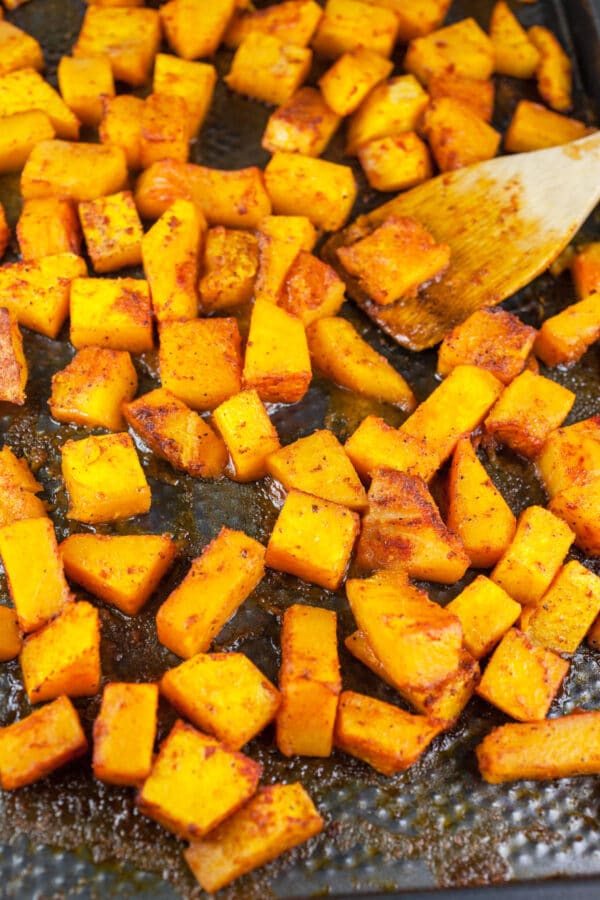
437	830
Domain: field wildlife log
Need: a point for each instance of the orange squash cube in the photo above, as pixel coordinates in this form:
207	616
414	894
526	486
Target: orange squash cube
248	433
92	388
533	127
194	82
309	681
585	270
311	289
62	168
554	72
18	50
349	24
124	733
218	582
486	612
165	129
267	69
121	126
277	361
477	95
13	365
24	90
376	445
37	292
10	634
302	124
19	133
417	18
129	37
229	269
460	49
564	338
194	28
292	21
48	226
346	84
4	232
570	456
567	611
123	570
83	83
514	52
18	489
104	479
457	136
280	239
391	108
115	313
577	506
113	231
322	191
395	163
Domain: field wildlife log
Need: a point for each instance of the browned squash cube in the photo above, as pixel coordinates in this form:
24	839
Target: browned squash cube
346	84
554	71
195	28
18	489
564	338
570	456
486	612
393	107
477	95
200	360
267	69
84	82
313	539
585	270
229	268
92	388
121	126
63	657
459	49
303	124
457	136
577	506
349	24
376	445
13	365
514	52
10	634
24	90
62	168
18	50
43	741
19	133
196	782
292	21
566	612
48	226
129	37
113	231
223	694
533	127
311	289
322	191
165	129
124	733
416	18
177	433
280	239
277	361
395	163
194	82
115	313
248	433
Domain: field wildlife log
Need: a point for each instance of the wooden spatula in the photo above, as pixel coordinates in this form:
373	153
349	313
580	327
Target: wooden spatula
505	220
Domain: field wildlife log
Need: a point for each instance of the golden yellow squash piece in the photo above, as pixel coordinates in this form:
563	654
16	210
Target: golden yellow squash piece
459	49
267	69
417	18
111	312
514	53
10	634
229	268
194	28
112	231
585	270
292	21
25	90
311	289
302	124
18	489
570	456
567	610
248	433
62	168
121	126
129	37
13	365
486	612
194	82
165	129
48	226
395	163
18	50
38	292
554	72
477	95
124	733
19	133
277	361
84	82
322	191
393	107
280	239
534	127
346	84
375	445
457	135
349	24
565	337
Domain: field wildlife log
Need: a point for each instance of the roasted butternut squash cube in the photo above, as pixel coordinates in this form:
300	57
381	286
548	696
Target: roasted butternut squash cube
13	365
249	435
348	24
570	456
177	433
229	269
293	22
309	681
129	37
37	292
395	163
527	411
486	612
391	108
459	49
277	818
267	69
376	445
165	129
395	259
322	191
196	782
522	679
64	656
48	226
19	133
534	557
195	28
303	124
92	388
115	313
585	270
457	136
564	338
346	84
83	83
554	72
10	634
417	18
566	612
217	584
4	232
113	231
104	479
223	694
124	733
477	511
114	3
194	82
18	489
24	90
123	570
280	239
514	52
577	506
277	362
477	95
43	741
311	289
200	360
61	168
533	127
318	465
313	539
387	738
121	126
18	50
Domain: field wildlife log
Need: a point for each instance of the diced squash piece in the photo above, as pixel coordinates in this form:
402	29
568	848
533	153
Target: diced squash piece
249	435
123	570
113	231
13	365
491	339
395	163
267	69
115	313
534	557
302	124
48	226
195	28
514	53
61	168
391	108
346	84
578	507
417	17
527	411
124	733
376	445
177	433
280	239
43	741
309	680
37	292
229	269
460	49
457	136
585	270
277	818
196	782
83	83
477	511
292	21
477	95
277	362
200	360
194	82
165	129
387	738
121	126
24	90
115	3
533	127
522	679
104	479
224	694
340	353
564	338
486	612
18	50
311	289
18	489
10	634
313	539
403	527
19	133
570	455
554	72
129	37
4	232
322	191
92	388
567	610
349	24
63	657
517	751
218	582
318	465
